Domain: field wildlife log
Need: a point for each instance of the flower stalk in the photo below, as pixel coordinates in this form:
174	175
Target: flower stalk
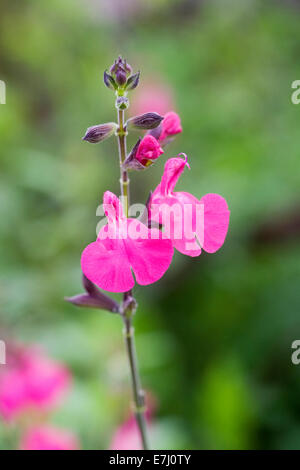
129	304
148	254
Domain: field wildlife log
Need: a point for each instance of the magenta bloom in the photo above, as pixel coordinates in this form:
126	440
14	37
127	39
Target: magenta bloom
125	245
127	436
152	96
148	150
31	381
48	438
171	126
190	223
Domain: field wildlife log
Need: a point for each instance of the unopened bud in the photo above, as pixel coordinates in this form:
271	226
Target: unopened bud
94	298
133	81
145	121
99	133
109	81
143	154
131	162
120	71
121	77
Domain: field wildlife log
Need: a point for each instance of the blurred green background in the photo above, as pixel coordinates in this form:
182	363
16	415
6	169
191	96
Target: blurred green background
214	336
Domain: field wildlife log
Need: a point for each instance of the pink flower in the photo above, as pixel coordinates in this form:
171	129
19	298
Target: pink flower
48	438
190	223
125	245
127	436
46	381
171	126
32	380
152	96
148	150
12	394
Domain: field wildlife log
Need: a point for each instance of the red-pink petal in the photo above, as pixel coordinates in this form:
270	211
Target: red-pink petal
13	396
48	438
46	380
181	215
108	261
216	221
149	257
106	264
112	207
172	171
148	149
171	125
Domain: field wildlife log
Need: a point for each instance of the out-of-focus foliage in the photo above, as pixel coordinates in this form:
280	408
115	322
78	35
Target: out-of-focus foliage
214	336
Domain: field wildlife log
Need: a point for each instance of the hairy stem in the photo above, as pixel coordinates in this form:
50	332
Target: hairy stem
138	394
124	180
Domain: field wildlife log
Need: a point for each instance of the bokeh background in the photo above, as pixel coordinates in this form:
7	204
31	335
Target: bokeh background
214	336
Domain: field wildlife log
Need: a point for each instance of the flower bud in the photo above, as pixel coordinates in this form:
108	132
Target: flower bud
148	150
171	126
121	77
156	132
109	81
94	298
131	163
133	81
99	133
145	121
144	153
120	71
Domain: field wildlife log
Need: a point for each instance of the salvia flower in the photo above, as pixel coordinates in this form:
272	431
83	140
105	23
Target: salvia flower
153	96
190	223
127	436
170	126
148	150
31	381
99	133
48	438
143	154
124	246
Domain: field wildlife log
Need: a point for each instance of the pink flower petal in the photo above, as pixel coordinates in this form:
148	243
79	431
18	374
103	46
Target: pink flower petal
125	247
172	171
48	438
127	436
171	125
13	396
112	207
46	380
105	263
216	221
148	150
149	257
181	216
190	224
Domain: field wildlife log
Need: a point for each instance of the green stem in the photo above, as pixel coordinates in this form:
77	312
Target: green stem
138	394
124	180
